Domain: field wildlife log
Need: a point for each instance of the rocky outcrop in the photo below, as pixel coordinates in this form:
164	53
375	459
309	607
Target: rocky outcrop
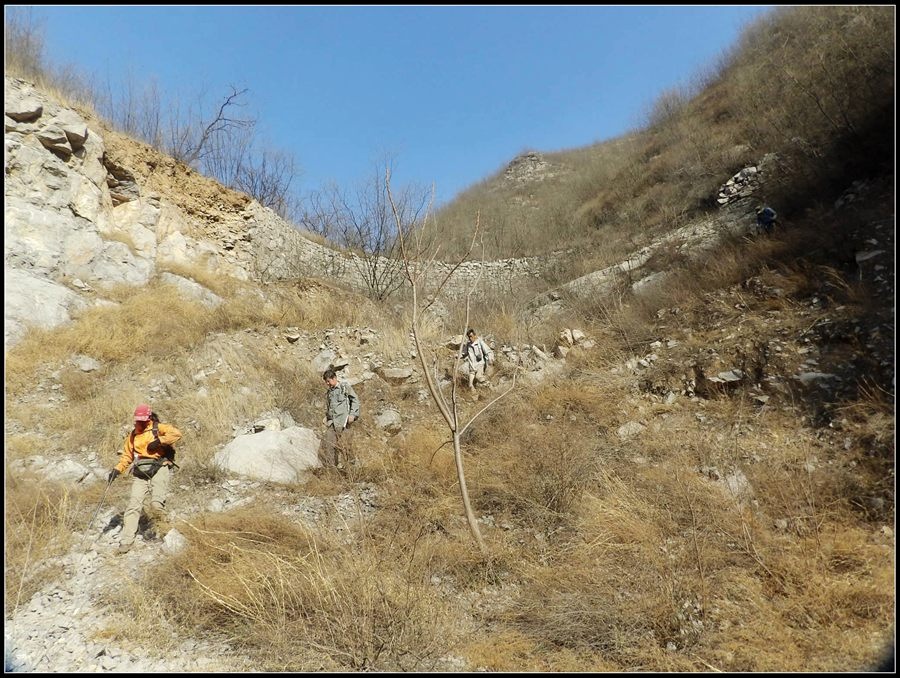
76	222
689	241
84	203
528	168
741	194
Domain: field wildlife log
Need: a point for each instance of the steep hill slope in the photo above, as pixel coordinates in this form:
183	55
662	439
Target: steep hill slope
694	470
731	452
812	85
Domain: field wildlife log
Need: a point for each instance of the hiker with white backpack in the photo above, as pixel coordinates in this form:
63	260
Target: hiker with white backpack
478	355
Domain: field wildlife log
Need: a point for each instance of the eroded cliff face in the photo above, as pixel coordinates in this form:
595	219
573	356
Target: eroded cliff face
87	208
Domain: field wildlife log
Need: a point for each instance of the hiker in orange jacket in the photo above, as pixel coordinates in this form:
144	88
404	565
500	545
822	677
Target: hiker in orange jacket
148	454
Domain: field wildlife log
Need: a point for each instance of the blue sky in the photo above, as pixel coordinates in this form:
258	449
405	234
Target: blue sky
452	92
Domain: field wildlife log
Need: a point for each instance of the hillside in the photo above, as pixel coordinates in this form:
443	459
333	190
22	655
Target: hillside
691	466
812	85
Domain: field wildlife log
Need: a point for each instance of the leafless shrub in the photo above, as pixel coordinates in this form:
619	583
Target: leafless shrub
268	175
667	106
362	220
23	43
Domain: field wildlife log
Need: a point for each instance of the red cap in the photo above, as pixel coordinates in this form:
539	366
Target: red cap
142	413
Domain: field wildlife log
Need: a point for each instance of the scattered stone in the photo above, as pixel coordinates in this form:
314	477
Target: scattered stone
394	375
630	429
390	421
174	542
86	363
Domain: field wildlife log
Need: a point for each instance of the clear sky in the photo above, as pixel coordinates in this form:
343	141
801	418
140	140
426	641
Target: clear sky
452	92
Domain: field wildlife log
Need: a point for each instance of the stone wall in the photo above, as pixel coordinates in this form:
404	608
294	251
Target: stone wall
82	213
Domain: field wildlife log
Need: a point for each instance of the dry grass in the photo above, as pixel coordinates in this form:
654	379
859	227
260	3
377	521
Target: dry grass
513	651
423	477
19	446
663	558
504	317
297	600
156	322
604	553
117	334
606	593
531	463
224	286
38	523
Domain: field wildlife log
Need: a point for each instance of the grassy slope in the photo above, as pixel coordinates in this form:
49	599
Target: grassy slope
814	86
605	553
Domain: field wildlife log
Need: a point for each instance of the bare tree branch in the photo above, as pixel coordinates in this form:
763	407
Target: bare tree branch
196	149
488	406
363	221
418	264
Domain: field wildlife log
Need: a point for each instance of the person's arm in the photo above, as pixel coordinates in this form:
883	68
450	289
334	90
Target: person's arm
168	434
126	457
354	402
488	353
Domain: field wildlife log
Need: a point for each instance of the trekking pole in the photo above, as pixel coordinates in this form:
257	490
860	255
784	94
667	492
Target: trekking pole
108	485
97	510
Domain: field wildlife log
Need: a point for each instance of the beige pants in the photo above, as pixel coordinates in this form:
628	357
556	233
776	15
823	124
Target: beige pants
476	375
334	446
157	488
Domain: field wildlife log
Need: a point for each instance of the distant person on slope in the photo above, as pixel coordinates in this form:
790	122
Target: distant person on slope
765	219
478	356
149	455
341	410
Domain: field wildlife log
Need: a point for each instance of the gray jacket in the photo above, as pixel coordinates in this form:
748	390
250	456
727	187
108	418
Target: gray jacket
476	351
341	402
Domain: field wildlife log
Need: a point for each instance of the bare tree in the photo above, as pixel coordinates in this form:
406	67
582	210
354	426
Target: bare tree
228	155
320	215
23	43
418	264
365	221
268	177
189	134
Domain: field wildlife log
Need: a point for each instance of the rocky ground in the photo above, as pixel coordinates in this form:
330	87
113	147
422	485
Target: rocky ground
66	626
790	349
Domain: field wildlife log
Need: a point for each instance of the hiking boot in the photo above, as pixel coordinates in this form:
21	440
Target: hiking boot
123	548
